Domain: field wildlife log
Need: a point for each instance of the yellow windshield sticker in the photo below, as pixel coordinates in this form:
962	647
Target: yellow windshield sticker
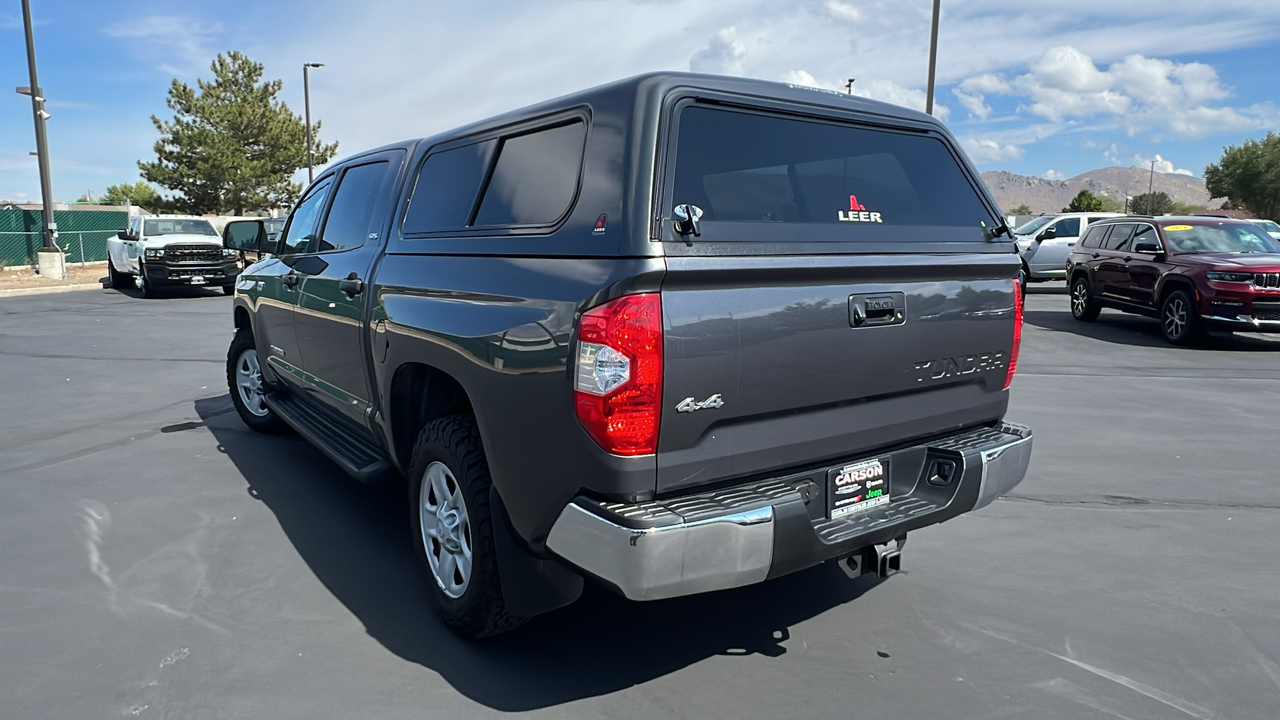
1176	228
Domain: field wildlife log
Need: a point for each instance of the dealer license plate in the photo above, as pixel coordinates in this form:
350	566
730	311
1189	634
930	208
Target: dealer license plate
857	487
197	279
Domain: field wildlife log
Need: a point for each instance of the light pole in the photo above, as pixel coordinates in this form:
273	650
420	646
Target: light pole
849	85
933	56
1151	182
306	101
42	149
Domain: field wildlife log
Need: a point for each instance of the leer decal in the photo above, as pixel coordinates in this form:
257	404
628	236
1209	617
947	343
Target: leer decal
1176	228
858	212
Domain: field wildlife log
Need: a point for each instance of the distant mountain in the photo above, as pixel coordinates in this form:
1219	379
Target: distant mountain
1047	196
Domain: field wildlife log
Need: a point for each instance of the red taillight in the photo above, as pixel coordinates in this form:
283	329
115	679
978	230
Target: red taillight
1017	333
618	374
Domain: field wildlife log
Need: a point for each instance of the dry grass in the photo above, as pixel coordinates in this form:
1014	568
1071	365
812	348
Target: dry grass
76	275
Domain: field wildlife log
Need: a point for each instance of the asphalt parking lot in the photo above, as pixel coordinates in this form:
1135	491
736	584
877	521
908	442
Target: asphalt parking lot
160	560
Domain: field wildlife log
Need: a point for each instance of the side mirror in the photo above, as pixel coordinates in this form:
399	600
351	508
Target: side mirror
1147	248
243	235
122	233
1047	234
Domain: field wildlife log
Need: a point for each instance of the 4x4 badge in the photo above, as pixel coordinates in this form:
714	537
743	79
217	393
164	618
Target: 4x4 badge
690	405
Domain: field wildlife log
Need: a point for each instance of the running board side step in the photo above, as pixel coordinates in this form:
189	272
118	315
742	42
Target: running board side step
360	458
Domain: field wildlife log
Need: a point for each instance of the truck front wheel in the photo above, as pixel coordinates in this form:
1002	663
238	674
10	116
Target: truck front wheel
453	527
244	380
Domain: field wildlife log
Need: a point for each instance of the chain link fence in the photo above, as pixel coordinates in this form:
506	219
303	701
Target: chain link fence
82	234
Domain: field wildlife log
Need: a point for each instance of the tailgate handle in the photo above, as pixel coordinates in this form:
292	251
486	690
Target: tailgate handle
876	309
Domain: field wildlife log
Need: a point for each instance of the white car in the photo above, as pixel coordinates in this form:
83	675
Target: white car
1046	241
170	250
1272	228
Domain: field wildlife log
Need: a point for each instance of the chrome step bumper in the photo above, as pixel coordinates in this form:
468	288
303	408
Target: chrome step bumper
745	534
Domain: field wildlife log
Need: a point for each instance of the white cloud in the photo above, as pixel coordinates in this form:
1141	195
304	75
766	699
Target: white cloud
1112	154
1052	174
983	151
722	56
1140	93
973	103
180	45
1161	165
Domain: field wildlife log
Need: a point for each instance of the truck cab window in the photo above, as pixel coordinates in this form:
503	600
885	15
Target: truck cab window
302	225
347	225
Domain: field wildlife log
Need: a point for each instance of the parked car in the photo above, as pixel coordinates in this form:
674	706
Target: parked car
677	334
1190	272
170	250
1271	226
1046	241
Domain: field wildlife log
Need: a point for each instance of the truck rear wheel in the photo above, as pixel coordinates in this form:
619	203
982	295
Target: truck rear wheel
118	280
244	380
453	527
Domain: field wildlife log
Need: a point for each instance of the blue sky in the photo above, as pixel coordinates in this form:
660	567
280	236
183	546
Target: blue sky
1038	87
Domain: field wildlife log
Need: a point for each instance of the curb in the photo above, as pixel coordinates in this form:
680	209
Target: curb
15	292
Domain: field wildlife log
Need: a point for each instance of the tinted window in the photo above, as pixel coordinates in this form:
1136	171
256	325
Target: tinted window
352	211
1145	234
1068	227
742	167
535	178
303	223
1094	238
1119	237
446	189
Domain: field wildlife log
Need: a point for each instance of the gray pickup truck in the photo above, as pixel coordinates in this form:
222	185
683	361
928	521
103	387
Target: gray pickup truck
675	334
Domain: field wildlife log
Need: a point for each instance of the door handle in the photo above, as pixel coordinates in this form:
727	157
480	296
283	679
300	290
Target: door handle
1127	258
352	285
1096	256
291	280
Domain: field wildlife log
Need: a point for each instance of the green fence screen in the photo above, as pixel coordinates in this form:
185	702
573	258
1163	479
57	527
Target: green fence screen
82	234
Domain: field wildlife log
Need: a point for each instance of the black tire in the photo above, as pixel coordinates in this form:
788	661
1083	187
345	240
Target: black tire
142	284
1180	319
472	606
254	414
1083	305
118	280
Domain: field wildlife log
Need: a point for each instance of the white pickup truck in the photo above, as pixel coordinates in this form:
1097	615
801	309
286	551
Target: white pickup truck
170	250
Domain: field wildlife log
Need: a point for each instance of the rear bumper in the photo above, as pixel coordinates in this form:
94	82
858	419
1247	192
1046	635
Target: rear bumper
748	533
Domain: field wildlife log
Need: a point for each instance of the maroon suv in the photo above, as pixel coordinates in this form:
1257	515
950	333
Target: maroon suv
1190	272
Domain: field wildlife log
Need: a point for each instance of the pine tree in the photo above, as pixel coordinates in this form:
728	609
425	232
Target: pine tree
231	146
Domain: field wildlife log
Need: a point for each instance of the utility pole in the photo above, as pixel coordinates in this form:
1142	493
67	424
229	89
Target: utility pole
933	56
1151	183
53	263
849	86
306	101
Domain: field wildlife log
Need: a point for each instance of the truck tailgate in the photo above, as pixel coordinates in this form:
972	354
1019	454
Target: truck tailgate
825	357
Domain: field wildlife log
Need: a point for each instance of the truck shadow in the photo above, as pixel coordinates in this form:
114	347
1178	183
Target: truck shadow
1126	329
356	540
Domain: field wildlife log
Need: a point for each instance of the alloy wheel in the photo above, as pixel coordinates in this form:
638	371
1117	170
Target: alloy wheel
1079	298
1175	317
249	383
446	529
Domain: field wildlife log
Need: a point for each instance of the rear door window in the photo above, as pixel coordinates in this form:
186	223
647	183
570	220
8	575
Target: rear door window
743	167
347	225
1094	237
1119	237
535	178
